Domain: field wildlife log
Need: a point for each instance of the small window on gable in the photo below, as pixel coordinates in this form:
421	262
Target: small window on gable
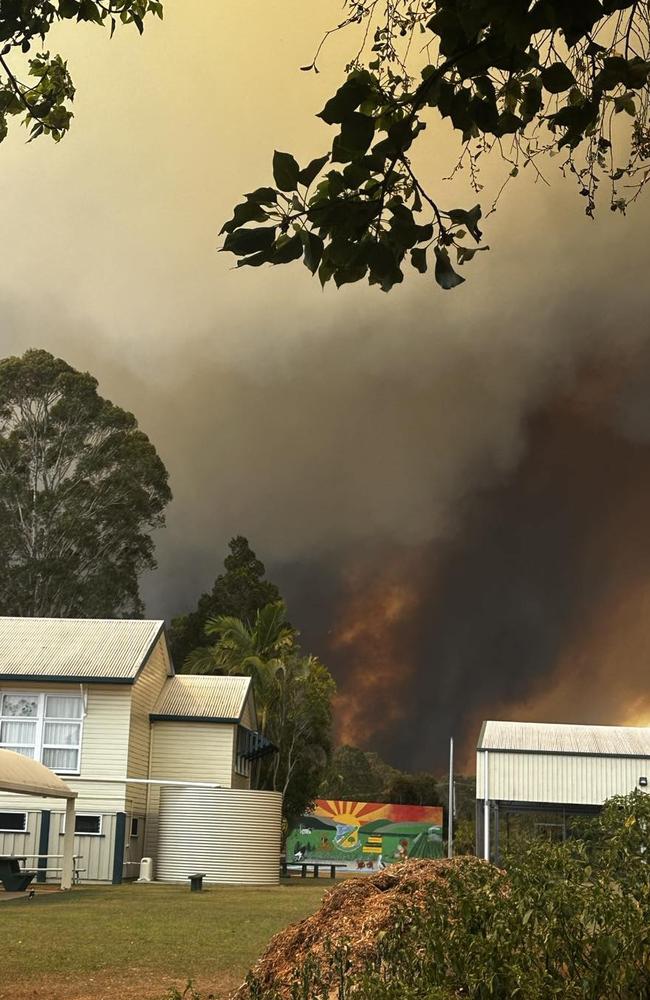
13	822
88	825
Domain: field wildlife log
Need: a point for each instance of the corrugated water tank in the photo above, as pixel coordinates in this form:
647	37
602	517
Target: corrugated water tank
233	835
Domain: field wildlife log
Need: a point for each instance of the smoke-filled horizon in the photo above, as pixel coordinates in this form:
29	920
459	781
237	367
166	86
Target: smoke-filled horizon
449	487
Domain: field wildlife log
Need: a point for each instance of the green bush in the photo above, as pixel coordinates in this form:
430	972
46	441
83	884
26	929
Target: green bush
569	921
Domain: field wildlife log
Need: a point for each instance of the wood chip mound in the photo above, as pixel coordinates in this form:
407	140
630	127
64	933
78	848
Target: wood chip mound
356	911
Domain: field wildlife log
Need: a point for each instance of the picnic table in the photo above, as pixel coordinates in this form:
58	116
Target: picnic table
13	877
315	865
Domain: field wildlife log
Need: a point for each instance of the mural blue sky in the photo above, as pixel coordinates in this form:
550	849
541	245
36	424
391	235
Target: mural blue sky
359	440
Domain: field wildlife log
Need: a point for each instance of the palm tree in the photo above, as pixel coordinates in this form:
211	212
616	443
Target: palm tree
260	651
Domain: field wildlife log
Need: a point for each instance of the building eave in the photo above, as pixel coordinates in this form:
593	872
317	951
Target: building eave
158	717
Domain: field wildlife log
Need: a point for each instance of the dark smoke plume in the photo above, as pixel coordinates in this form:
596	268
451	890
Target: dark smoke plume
539	607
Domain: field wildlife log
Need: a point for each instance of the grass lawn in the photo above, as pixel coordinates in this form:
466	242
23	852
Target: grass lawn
136	941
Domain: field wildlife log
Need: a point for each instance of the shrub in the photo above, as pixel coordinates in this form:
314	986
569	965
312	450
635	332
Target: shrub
568	921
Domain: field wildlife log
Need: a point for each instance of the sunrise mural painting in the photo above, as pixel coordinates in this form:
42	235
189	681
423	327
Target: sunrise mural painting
365	836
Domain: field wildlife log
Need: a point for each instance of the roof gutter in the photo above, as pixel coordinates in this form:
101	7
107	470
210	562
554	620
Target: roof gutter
161	717
148	781
64	679
566	753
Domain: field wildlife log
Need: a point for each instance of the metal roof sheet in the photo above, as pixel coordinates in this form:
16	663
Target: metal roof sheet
75	648
547	737
198	696
22	774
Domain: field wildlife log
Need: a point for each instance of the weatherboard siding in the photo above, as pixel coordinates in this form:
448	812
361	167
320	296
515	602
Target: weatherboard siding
94	853
187	751
105	743
558	778
144	695
192	751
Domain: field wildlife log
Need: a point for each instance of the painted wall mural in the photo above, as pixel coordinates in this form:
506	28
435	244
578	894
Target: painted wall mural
366	836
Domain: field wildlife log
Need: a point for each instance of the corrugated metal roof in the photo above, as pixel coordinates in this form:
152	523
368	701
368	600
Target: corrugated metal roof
22	774
75	648
196	696
546	737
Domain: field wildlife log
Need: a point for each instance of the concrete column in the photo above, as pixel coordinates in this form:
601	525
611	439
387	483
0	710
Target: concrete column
67	874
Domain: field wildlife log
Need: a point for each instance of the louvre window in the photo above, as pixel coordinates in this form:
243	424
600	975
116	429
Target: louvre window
46	727
88	825
13	822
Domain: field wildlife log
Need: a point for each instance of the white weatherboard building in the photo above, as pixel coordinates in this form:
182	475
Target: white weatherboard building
161	763
553	768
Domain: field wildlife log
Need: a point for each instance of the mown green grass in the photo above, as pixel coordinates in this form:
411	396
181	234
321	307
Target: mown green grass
166	929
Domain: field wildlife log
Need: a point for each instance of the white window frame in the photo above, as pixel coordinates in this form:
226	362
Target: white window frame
77	833
40	720
15	812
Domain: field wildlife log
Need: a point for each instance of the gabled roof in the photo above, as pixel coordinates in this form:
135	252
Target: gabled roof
546	737
75	649
30	777
202	698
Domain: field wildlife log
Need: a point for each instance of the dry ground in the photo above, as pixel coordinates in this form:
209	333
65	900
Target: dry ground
134	942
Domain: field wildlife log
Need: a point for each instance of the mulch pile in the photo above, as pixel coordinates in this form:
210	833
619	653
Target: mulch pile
356	911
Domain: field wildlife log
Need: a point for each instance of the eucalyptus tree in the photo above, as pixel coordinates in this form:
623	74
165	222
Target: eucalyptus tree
526	79
81	490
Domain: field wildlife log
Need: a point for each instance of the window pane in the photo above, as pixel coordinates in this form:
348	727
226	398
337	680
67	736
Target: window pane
61	760
87	824
18	732
62	707
61	734
25	751
21	705
13	821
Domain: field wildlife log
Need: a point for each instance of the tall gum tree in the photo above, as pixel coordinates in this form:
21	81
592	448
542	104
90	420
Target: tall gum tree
81	490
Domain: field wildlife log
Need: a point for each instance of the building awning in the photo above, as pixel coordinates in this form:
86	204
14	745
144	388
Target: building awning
252	745
29	777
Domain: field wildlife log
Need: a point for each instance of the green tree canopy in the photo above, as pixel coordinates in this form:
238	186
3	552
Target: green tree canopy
240	592
351	776
259	650
81	489
526	78
36	86
293	695
361	776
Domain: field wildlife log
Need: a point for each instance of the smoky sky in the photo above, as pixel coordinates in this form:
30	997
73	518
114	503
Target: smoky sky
447	486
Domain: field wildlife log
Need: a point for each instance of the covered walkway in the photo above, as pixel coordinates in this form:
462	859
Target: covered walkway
24	776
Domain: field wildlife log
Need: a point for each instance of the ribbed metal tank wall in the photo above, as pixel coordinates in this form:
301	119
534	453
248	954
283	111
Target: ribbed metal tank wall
233	835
